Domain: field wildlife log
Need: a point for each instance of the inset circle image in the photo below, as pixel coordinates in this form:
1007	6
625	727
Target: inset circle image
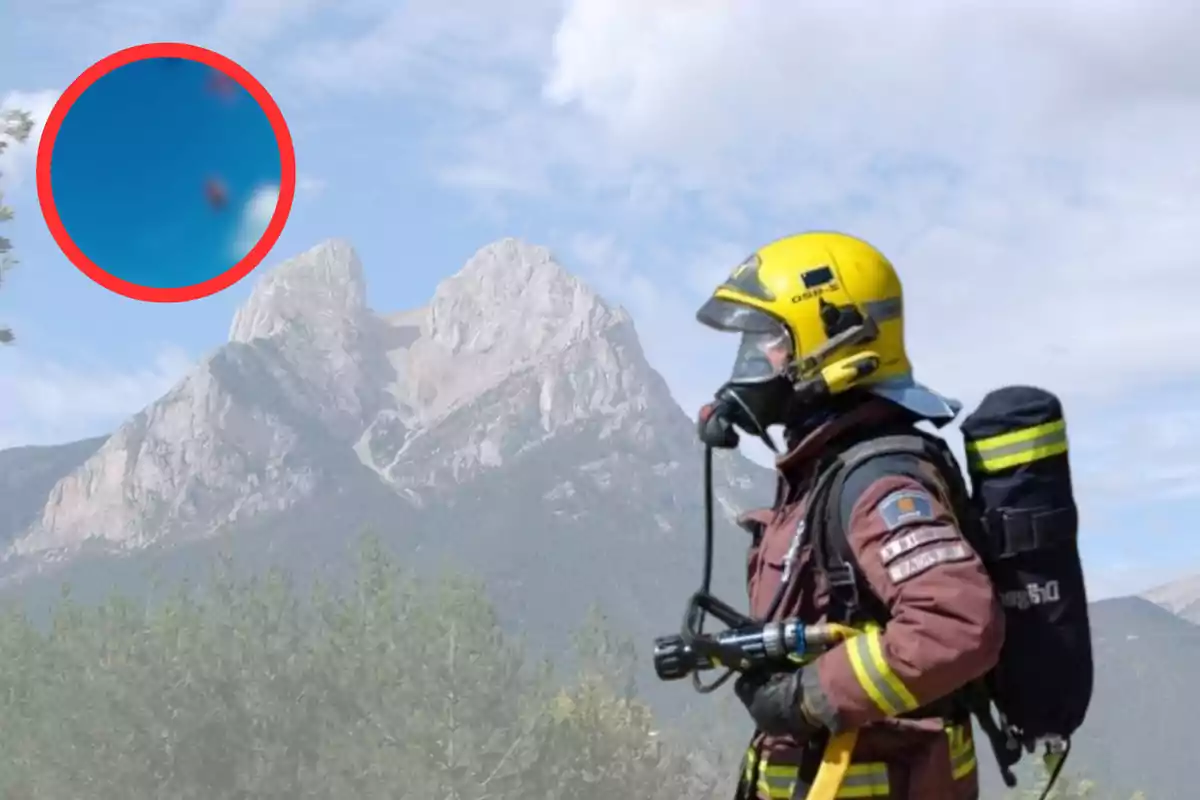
166	172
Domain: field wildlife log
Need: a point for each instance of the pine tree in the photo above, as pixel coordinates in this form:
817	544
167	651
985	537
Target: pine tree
15	127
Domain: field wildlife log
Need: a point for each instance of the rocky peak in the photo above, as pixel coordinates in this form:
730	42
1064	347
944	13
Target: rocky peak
514	297
322	289
311	313
513	358
510	309
1180	597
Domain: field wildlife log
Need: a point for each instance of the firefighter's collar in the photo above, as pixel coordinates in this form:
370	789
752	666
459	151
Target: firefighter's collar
871	412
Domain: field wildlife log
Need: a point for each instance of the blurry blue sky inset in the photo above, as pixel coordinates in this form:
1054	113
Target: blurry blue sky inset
165	172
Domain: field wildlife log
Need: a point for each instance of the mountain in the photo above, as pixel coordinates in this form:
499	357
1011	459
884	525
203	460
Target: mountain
27	474
1139	734
1180	597
511	426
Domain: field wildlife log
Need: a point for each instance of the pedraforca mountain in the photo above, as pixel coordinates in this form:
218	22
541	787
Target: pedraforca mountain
512	420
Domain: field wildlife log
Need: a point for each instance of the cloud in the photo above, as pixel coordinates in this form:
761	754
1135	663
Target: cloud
48	402
239	24
86	30
979	147
18	159
1008	179
461	52
1030	170
1113	465
309	186
256	216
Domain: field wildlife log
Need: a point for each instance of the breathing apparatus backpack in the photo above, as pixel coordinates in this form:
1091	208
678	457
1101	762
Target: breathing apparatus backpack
1021	518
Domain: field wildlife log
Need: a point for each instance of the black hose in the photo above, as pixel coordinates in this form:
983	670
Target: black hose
706	580
1058	768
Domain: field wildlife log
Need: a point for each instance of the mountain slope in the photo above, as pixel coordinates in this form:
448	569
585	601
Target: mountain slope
27	474
511	426
1180	597
1139	731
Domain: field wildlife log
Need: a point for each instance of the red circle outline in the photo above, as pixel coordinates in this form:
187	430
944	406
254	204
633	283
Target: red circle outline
287	182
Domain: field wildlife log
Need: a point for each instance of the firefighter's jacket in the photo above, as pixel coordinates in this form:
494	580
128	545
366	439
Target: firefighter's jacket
946	628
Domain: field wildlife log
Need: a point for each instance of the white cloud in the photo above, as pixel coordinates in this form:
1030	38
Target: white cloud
48	402
1030	170
243	23
1018	163
256	216
979	146
17	160
310	186
87	30
1149	455
452	50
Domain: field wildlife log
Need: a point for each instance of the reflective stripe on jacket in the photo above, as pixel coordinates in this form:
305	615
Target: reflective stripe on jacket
868	779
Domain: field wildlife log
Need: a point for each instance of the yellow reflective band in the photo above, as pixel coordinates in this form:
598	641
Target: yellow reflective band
862	780
962	751
1018	447
876	677
777	782
865	780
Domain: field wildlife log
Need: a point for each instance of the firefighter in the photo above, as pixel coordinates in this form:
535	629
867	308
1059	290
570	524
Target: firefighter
822	356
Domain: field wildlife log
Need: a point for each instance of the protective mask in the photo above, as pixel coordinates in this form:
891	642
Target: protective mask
752	407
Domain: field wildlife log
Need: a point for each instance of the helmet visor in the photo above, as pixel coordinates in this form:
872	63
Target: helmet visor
765	350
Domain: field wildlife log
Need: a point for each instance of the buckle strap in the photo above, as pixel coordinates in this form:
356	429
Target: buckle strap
1022	530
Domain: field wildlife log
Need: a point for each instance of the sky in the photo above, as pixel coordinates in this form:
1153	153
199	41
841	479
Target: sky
1031	169
132	161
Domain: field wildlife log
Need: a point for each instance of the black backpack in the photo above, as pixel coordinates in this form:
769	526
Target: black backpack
1020	516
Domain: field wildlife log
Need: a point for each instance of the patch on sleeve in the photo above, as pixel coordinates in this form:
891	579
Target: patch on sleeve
926	560
906	507
906	543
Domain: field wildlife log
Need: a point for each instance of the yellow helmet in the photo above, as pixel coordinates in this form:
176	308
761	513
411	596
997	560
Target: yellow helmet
825	309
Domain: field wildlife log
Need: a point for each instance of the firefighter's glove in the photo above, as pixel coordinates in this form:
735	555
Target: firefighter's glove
775	703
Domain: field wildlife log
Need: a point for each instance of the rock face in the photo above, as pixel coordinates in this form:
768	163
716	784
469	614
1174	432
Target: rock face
27	474
512	308
1181	597
512	419
512	352
254	428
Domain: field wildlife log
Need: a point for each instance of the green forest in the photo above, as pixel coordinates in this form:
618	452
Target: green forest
395	686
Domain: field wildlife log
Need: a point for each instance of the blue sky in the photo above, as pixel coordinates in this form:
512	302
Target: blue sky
131	163
1031	171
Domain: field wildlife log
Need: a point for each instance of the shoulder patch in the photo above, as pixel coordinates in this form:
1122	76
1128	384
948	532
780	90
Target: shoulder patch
926	560
906	507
